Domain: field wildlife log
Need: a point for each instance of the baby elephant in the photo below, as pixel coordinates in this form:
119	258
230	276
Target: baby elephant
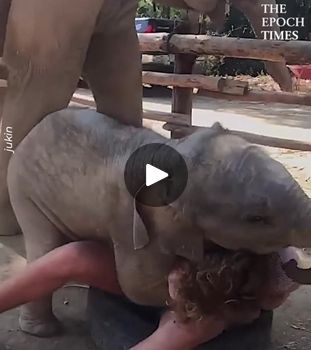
66	183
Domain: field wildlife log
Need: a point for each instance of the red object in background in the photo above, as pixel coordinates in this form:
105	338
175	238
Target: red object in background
301	71
150	29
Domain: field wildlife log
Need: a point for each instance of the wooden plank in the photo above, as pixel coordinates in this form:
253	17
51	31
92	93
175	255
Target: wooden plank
174	118
293	52
216	84
235	87
184	80
83	100
252	138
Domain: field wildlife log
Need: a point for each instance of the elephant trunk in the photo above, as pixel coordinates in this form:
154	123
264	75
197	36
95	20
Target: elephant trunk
296	264
301	234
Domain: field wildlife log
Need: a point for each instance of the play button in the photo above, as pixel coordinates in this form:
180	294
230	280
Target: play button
156	174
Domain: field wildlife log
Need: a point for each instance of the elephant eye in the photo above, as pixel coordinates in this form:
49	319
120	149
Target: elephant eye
258	219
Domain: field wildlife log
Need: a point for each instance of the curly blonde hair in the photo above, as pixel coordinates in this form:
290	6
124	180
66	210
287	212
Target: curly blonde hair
225	282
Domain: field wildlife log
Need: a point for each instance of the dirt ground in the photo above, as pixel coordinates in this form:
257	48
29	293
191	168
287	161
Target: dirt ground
292	322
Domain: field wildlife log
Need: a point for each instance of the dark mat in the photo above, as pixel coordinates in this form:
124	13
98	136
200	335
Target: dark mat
117	324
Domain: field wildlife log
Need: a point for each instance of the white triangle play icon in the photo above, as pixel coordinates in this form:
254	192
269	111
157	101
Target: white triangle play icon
154	175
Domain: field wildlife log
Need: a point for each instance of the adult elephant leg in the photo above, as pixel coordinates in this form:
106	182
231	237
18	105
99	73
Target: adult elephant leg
3	71
3	90
113	70
254	11
4	11
44	51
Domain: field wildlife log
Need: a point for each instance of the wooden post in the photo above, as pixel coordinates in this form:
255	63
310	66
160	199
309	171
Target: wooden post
182	97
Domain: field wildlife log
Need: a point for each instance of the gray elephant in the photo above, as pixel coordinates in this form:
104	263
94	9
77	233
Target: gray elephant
46	46
66	182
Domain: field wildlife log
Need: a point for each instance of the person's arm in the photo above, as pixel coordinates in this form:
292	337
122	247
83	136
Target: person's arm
175	335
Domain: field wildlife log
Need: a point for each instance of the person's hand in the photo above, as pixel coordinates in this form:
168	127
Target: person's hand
238	315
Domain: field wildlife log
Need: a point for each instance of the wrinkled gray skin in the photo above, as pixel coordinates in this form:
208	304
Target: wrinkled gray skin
47	46
254	12
66	181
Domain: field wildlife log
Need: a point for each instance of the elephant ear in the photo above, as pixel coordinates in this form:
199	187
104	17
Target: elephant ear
217	127
182	238
190	248
140	234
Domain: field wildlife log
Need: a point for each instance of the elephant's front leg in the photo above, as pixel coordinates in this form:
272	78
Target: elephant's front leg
45	47
41	236
254	11
113	68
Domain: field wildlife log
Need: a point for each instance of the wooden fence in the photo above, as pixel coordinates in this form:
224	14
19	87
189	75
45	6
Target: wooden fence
293	52
186	48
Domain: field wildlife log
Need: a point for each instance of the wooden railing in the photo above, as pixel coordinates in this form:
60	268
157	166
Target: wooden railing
186	48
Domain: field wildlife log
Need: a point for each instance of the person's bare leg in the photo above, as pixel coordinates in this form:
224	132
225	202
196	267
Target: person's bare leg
84	262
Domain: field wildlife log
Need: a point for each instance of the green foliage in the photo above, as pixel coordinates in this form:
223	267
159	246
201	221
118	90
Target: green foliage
147	8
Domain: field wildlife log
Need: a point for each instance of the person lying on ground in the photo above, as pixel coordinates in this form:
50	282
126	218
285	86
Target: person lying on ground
226	290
